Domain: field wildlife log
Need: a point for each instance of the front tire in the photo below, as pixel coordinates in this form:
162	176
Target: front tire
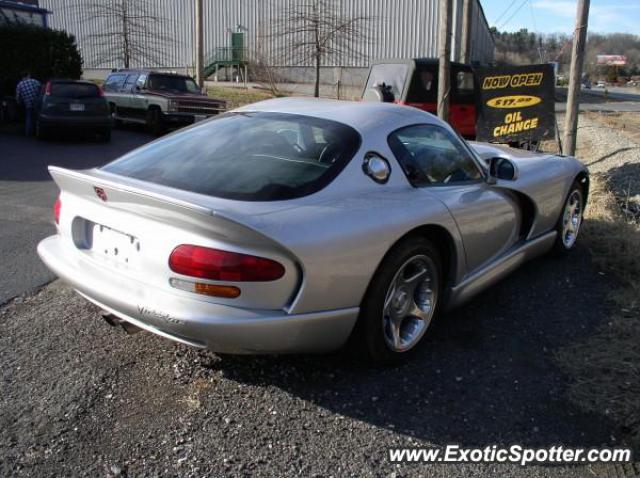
570	220
115	121
401	302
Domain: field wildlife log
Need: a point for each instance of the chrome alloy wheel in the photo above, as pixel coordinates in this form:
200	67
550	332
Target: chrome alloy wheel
572	219
410	303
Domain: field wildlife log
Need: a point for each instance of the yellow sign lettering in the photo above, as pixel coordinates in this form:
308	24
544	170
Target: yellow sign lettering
514	101
513	123
515	81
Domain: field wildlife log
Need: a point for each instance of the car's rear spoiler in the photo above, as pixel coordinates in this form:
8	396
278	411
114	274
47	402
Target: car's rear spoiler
145	201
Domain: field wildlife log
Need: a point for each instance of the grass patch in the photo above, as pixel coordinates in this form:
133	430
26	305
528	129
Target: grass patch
237	97
606	366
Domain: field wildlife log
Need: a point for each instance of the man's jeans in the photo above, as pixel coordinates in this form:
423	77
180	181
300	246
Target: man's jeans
28	121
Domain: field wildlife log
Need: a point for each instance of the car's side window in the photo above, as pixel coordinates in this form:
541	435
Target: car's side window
431	155
131	79
114	82
141	81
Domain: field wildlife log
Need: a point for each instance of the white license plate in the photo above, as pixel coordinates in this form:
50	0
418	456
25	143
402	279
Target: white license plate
197	118
115	246
76	107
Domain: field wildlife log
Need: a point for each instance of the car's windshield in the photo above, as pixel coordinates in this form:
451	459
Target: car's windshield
74	90
173	83
247	156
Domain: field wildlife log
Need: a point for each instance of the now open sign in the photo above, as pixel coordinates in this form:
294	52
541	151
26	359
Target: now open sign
515	103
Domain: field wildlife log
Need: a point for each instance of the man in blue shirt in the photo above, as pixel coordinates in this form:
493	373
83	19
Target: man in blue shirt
28	94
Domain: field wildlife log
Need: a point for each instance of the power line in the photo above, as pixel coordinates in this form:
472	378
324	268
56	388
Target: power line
541	51
513	14
505	12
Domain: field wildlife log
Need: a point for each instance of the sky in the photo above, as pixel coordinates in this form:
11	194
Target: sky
558	16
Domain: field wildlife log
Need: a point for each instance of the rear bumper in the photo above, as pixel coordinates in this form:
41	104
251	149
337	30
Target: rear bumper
89	122
196	322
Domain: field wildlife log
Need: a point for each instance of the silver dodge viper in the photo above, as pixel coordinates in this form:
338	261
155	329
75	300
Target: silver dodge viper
296	225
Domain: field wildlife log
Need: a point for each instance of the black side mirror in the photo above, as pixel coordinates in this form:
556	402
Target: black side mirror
502	168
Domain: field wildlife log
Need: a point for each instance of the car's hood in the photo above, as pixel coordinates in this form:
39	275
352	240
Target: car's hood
521	157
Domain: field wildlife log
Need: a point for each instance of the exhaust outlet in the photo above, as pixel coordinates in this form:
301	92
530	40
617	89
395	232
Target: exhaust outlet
115	321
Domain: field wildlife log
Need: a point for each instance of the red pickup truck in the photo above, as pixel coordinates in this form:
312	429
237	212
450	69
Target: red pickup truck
414	82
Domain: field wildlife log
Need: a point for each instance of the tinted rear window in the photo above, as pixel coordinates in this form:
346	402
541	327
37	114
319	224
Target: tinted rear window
74	90
246	156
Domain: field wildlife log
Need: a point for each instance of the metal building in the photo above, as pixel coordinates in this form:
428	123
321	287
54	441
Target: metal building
26	12
397	29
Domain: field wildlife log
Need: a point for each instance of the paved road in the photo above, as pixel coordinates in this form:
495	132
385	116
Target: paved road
615	92
594	100
27	194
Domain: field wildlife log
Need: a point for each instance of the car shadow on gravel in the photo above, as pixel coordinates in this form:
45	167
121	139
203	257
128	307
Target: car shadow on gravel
486	374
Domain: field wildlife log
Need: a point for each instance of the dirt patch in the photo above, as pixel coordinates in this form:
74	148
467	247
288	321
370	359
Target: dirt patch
624	123
605	368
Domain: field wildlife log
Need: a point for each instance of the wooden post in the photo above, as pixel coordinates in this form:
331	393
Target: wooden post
199	44
444	59
575	76
465	43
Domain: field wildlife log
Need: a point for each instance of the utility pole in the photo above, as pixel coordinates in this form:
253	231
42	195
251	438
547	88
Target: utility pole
199	44
575	76
467	9
444	59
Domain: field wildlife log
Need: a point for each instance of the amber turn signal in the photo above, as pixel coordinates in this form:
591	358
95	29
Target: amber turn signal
213	290
227	291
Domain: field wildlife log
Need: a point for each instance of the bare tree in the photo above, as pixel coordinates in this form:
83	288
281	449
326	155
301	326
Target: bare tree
315	32
126	31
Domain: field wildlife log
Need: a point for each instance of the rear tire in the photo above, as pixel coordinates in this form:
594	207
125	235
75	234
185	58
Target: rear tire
154	122
570	220
400	303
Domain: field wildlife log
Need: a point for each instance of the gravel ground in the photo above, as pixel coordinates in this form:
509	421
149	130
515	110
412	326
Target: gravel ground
82	398
609	150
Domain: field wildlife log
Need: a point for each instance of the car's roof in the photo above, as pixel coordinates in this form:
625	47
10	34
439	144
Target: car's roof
364	116
65	80
148	72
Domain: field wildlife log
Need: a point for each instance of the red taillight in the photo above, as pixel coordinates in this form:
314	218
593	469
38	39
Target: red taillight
206	263
100	92
47	89
56	210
